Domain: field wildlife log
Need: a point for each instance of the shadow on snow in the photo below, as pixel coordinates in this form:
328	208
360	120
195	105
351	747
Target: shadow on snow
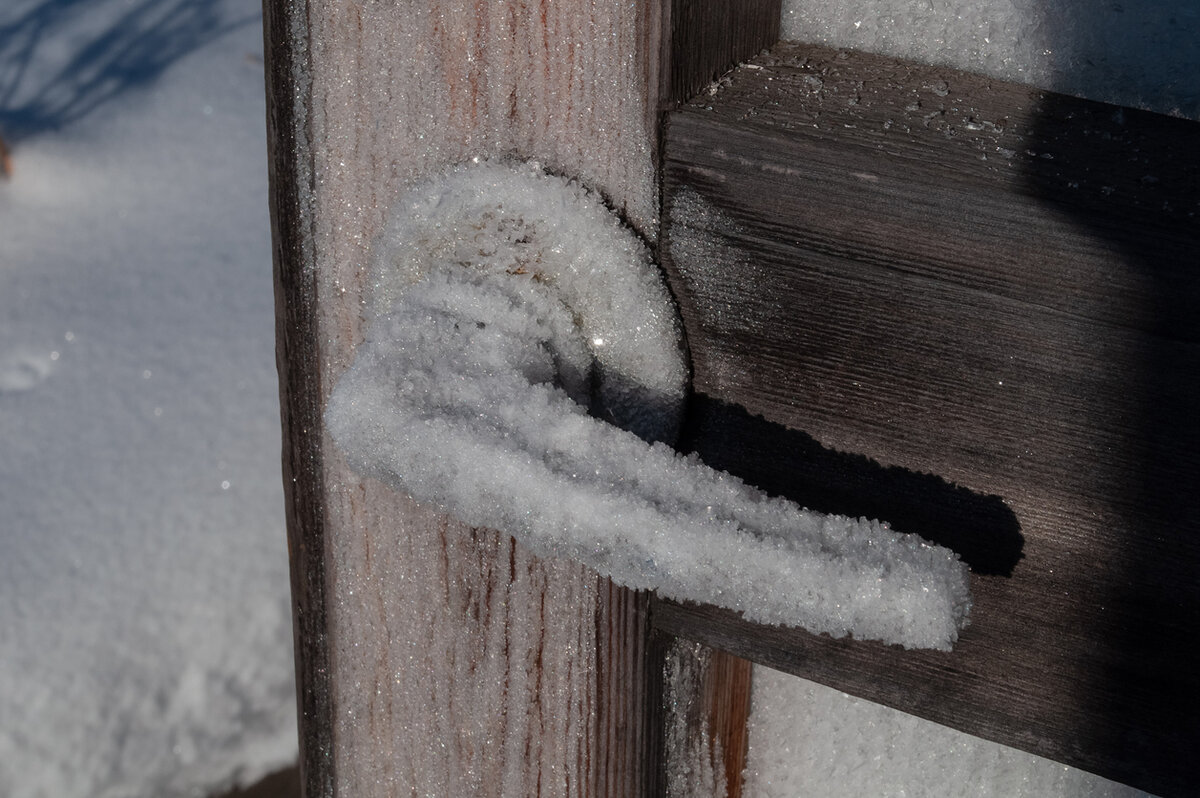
114	47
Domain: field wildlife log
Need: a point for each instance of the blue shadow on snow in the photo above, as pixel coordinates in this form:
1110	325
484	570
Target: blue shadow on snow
41	90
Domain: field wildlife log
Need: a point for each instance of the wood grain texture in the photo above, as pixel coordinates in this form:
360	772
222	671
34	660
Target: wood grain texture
434	658
708	37
727	696
970	307
701	744
297	359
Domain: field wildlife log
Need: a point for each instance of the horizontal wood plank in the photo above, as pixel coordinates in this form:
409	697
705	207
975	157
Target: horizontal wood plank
966	307
297	356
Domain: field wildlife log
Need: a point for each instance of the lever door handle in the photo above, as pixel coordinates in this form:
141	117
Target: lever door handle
506	304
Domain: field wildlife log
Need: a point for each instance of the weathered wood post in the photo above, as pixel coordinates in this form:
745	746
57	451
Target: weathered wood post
432	657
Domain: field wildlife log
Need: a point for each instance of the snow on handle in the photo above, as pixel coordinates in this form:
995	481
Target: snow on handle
505	300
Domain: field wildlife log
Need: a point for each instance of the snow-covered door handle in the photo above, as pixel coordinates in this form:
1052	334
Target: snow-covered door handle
506	303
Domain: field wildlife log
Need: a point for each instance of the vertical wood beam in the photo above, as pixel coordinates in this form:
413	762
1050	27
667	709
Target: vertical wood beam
434	658
727	699
706	38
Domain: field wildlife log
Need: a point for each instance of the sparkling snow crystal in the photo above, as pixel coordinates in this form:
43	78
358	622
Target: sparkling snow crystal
506	304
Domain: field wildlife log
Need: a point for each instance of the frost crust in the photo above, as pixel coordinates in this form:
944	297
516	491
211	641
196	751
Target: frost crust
505	302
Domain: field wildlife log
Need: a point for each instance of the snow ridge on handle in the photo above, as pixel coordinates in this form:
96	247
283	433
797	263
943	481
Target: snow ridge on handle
506	302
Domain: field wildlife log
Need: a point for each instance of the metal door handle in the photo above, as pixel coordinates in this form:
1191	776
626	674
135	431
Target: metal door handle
506	304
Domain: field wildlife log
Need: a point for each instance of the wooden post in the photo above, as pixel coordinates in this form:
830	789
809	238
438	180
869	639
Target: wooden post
484	671
438	659
431	657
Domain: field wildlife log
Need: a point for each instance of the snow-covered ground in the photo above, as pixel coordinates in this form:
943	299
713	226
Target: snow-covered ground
145	630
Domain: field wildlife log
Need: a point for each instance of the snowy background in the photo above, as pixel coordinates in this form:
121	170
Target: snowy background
145	633
145	628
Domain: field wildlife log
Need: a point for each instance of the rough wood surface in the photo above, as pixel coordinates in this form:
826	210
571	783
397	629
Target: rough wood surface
707	37
704	39
727	698
968	307
700	744
297	358
480	670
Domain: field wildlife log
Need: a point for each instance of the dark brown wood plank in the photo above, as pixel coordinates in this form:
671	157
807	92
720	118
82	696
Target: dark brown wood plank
625	686
966	307
297	348
707	37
